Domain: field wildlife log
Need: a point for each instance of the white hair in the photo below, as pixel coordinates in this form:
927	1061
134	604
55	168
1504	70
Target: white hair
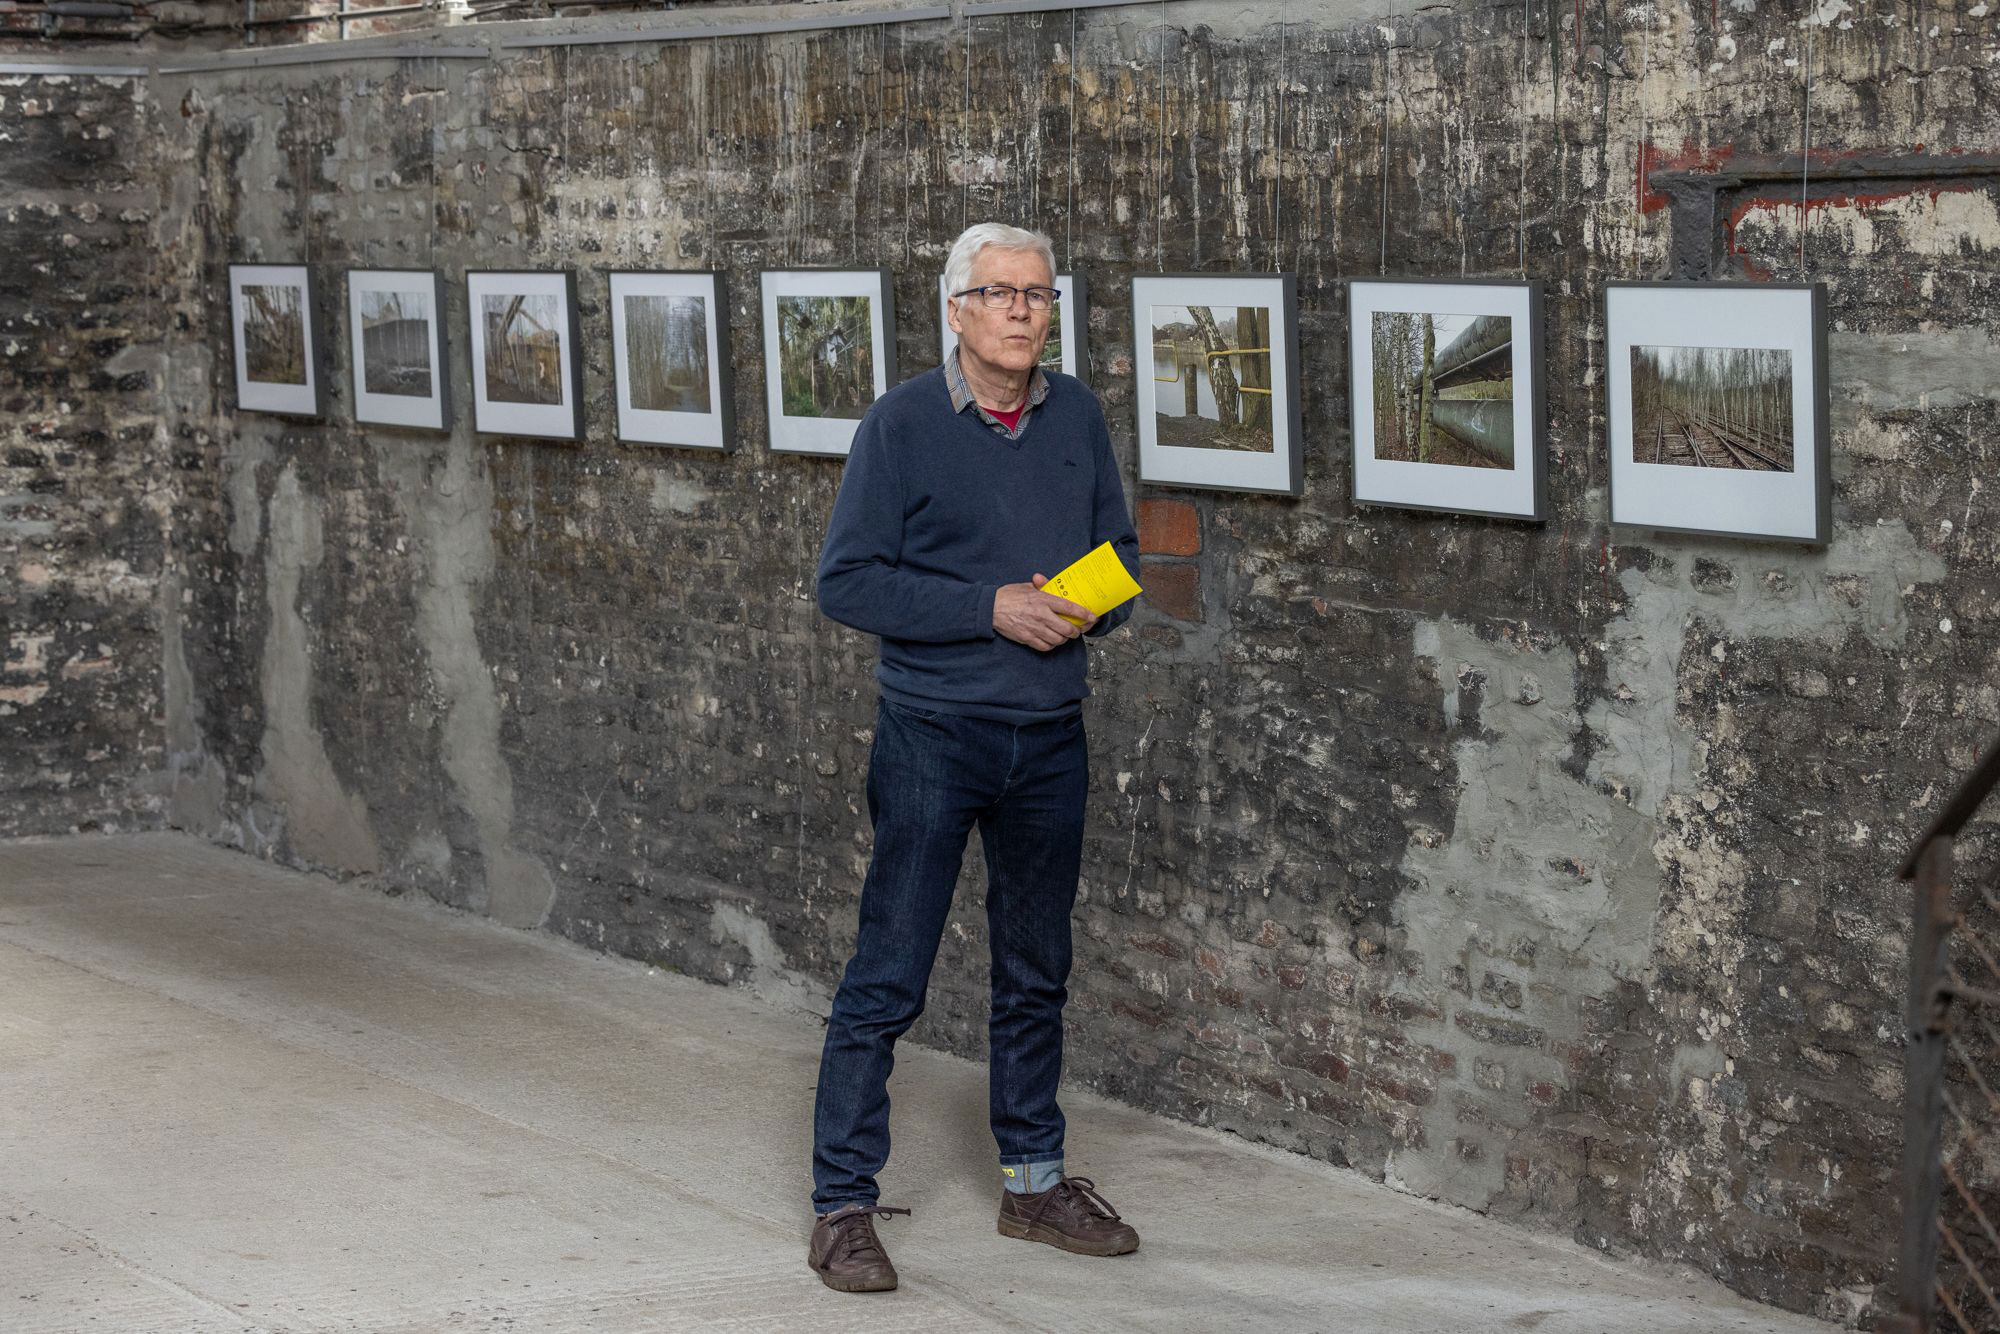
958	264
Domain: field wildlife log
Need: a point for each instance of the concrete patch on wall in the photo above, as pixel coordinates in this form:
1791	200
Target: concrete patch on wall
446	499
306	810
1543	892
197	786
1904	372
1551	888
766	974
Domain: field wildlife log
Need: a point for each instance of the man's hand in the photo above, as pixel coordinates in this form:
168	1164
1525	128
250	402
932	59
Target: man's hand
1026	615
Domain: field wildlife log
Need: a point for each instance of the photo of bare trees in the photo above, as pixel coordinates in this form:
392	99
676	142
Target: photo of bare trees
1443	388
826	356
523	347
1053	348
666	346
274	333
396	343
1212	377
1712	407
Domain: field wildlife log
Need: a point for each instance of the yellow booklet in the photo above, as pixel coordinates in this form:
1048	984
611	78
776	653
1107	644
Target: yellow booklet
1098	581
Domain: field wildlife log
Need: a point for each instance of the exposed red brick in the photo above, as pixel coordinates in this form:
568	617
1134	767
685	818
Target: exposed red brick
1169	528
1326	1065
1174	588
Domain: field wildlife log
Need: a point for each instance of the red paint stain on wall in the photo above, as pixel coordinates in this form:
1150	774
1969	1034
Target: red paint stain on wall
1689	157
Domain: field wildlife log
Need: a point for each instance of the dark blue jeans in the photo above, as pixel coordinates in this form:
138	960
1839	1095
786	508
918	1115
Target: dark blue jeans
931	778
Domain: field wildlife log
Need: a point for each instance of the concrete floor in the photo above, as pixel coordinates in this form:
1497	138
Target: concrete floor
233	1097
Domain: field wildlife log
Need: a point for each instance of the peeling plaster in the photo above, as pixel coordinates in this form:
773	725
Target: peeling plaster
309	810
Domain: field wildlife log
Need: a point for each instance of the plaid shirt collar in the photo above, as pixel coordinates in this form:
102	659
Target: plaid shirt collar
962	397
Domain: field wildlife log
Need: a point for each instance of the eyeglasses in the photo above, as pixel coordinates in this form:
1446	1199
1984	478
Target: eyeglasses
999	296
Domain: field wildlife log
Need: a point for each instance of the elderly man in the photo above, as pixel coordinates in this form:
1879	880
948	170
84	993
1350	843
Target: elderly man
965	488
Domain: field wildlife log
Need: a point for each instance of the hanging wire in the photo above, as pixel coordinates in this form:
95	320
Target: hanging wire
965	137
1278	216
711	54
1160	156
1805	151
431	137
1521	202
796	237
1388	92
1069	211
562	115
881	119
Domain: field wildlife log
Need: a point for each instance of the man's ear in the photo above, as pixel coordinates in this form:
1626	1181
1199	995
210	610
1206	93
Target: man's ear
951	314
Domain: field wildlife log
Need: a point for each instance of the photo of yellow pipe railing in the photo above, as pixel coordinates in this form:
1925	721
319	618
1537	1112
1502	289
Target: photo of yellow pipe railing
1175	378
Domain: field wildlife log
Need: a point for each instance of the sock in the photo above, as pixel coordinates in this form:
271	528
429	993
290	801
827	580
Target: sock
1031	1178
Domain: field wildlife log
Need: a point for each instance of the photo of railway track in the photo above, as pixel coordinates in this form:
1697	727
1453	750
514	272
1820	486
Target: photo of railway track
1712	407
1444	388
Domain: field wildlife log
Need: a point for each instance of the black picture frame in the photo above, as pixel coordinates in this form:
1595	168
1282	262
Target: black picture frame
484	422
817	437
722	379
1170	466
1360	414
440	344
1806	510
308	401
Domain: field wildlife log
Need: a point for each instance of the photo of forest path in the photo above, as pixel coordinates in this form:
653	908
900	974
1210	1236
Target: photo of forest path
523	348
1712	407
666	353
396	343
1444	388
1212	377
826	356
274	333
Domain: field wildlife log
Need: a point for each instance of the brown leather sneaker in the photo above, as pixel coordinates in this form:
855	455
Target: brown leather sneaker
846	1253
1071	1215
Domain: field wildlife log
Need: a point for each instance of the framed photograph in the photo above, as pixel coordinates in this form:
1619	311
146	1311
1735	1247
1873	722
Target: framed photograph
1065	349
670	359
829	352
274	320
1217	368
527	376
395	324
1447	395
1718	408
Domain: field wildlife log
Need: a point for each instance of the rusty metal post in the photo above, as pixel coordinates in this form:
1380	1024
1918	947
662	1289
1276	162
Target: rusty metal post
1190	367
1923	1094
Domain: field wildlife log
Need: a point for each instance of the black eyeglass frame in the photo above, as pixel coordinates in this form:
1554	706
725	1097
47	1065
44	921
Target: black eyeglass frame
1055	295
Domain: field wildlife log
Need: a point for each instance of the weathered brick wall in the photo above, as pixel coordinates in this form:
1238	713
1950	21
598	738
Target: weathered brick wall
83	476
1544	869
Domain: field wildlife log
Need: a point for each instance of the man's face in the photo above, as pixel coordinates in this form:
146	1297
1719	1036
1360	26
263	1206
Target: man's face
1010	339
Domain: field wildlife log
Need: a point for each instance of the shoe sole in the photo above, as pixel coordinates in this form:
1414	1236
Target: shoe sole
1048	1236
839	1284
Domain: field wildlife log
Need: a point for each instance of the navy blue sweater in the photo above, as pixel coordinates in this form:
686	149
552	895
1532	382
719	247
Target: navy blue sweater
937	510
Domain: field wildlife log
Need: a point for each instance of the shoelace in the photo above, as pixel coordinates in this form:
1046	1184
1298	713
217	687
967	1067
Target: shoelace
1078	1196
853	1239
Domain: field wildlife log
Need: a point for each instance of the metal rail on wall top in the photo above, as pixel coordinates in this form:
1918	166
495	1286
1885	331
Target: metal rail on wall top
484	46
